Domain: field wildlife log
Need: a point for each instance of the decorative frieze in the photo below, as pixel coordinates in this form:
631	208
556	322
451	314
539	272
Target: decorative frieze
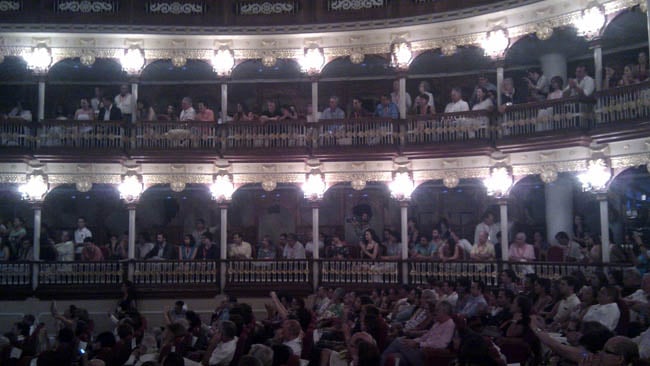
267	8
10	6
87	6
347	5
175	7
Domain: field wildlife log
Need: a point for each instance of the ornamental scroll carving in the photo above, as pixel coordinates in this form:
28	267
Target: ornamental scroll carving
343	5
267	8
86	6
176	8
7	6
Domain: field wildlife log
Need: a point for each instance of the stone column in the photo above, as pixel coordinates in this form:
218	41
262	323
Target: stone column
503	210
404	205
223	246
314	99
554	64
131	248
314	241
41	98
224	103
598	63
134	93
604	225
402	97
558	197
499	83
36	245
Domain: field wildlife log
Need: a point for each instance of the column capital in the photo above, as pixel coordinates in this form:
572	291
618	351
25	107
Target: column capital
596	42
131	206
401	73
223	205
36	205
134	78
314	203
502	201
314	78
601	196
404	203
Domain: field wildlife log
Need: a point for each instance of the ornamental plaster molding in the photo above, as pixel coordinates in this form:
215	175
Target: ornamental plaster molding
538	17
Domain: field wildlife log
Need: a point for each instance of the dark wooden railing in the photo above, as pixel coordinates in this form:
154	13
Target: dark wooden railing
158	278
627	104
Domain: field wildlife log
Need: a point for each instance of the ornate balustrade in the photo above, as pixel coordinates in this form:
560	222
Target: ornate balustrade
15	274
166	278
258	272
85	135
446	127
531	119
630	103
165	135
166	273
554	115
359	272
420	272
262	136
355	132
80	273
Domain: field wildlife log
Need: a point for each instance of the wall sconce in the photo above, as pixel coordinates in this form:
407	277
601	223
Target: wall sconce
496	43
401	55
313	60
131	187
596	177
133	60
591	21
36	187
223	61
402	185
314	186
39	58
222	188
499	182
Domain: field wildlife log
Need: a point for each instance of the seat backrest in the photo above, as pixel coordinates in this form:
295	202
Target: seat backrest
555	254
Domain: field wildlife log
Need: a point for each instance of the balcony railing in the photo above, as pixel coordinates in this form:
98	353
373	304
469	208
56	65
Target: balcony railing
162	278
630	103
531	119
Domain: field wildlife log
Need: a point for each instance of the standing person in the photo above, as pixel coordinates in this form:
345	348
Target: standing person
125	102
80	234
486	225
425	88
333	111
85	113
394	96
187	113
583	84
96	101
370	245
187	251
537	84
17	234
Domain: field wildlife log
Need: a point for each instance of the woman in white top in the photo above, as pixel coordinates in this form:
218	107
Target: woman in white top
85	113
485	103
556	88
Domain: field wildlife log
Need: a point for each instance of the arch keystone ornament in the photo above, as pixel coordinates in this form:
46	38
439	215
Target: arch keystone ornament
451	179
84	185
548	174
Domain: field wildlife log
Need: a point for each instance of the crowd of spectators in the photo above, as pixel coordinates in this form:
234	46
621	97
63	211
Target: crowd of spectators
441	244
598	317
535	87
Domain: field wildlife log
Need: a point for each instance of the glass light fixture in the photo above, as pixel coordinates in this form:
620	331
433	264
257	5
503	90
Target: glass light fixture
131	187
402	186
36	187
495	43
499	182
596	177
133	60
39	59
314	187
313	60
223	61
402	55
222	188
591	21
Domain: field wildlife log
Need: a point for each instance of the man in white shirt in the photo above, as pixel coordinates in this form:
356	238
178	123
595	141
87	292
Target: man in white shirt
448	294
80	235
606	312
294	249
639	301
222	345
457	103
65	249
239	249
573	251
290	336
394	96
582	85
309	247
187	113
486	225
333	111
125	102
567	304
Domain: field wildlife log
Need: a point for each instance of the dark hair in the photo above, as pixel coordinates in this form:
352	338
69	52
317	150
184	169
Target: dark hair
544	283
373	236
536	70
571	282
525	305
562	235
106	339
368	354
474	350
66	335
511	274
207	235
228	329
88	239
425	236
124	330
424	96
558	80
594	336
191	237
484	90
173	359
509	294
281	354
